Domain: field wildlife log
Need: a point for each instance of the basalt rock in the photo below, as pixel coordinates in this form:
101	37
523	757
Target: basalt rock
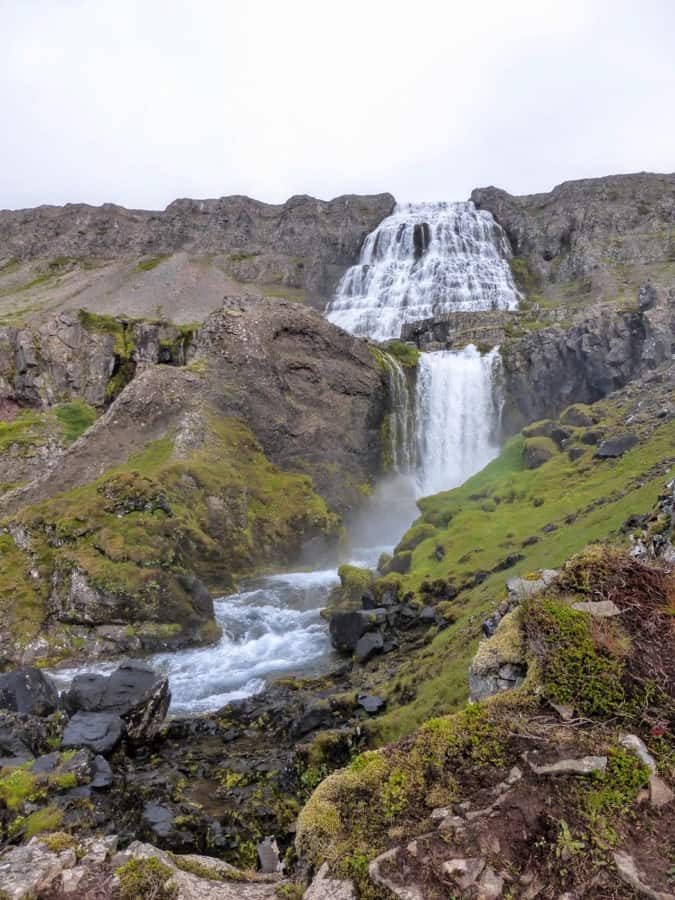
137	695
547	370
29	691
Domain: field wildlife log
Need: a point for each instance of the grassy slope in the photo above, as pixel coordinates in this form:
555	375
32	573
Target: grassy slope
491	517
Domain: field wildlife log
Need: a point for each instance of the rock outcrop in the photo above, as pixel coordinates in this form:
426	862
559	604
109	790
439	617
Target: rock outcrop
546	370
597	236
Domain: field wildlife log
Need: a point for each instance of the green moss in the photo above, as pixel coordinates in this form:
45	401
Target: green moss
507	645
49	818
210	873
538	450
526	280
63	781
355	581
406	354
26	430
59	841
74	417
575	670
414	536
18	786
146	878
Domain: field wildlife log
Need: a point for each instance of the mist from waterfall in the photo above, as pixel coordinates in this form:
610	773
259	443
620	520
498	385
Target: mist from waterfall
423	260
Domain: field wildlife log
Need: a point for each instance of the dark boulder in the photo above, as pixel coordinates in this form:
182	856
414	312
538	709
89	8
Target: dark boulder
369	645
347	627
576	417
137	695
591	437
575	453
102	775
29	691
99	732
22	737
616	446
317	714
371	703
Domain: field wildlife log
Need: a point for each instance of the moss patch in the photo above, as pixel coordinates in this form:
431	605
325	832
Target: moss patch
74	418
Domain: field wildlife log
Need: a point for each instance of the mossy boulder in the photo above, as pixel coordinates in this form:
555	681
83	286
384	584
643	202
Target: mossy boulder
414	536
537	451
579	415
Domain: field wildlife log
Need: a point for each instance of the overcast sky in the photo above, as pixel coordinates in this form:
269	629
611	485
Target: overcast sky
141	101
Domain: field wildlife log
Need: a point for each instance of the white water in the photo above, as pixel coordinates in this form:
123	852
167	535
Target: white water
457	416
272	628
423	260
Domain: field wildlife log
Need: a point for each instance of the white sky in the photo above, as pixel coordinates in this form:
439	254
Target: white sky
141	101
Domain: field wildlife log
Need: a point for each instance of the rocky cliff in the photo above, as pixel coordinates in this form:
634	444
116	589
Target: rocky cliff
219	468
301	246
602	350
598	238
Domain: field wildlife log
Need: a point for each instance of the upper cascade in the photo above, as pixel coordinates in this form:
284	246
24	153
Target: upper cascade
423	260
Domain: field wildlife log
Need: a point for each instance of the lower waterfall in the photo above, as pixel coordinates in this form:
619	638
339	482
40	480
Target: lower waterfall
457	410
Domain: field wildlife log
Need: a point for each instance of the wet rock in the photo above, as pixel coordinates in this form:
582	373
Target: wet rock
369	645
28	690
371	704
587	765
524	588
369	601
268	856
616	446
98	732
576	417
599	609
592	437
323	887
346	628
535	454
136	694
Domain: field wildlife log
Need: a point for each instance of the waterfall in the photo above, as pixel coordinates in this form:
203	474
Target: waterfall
458	410
423	260
401	418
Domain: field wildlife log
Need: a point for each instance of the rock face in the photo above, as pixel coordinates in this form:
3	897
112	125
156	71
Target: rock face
546	370
76	356
317	397
304	243
597	234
